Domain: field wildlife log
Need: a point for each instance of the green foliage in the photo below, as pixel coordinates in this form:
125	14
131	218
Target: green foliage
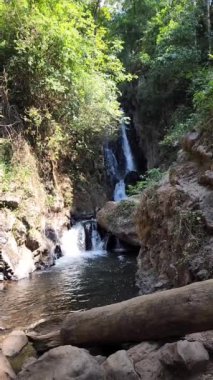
63	72
167	44
12	173
151	179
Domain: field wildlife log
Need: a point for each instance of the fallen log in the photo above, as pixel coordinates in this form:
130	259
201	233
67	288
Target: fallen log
45	342
170	313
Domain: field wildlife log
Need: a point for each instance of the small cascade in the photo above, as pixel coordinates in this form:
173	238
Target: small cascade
130	164
115	170
97	243
120	191
111	163
83	236
73	241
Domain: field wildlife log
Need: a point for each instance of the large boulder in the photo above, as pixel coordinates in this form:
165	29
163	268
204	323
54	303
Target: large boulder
191	356
146	361
118	218
119	366
175	224
6	371
14	343
61	363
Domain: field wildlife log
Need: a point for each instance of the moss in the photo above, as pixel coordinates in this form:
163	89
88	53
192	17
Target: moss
124	209
18	361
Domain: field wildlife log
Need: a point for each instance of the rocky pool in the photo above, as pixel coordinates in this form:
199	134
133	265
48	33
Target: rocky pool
83	281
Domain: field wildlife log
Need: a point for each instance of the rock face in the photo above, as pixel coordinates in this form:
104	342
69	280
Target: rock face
26	210
62	363
175	222
118	218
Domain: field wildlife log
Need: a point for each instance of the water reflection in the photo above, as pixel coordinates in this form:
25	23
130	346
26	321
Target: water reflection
89	280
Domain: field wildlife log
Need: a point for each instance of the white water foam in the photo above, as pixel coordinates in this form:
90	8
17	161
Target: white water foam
73	241
130	164
120	191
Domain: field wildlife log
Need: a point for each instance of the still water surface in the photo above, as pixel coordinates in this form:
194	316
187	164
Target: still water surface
91	279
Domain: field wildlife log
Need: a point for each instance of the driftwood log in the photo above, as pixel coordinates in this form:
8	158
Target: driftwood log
170	313
45	342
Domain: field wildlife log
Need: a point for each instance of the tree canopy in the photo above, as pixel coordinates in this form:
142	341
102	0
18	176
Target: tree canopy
66	63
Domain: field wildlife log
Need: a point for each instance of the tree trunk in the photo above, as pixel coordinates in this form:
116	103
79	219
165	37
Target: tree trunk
209	31
170	313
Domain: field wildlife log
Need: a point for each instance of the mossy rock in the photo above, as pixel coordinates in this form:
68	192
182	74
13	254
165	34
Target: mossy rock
18	360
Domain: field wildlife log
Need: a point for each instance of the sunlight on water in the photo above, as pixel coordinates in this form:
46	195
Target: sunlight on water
73	241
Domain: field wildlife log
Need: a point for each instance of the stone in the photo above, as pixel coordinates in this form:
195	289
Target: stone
189	355
100	359
22	357
6	371
140	351
119	366
205	337
14	343
63	363
118	218
150	368
28	362
193	354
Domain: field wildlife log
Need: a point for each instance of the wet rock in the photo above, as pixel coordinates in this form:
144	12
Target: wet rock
120	367
6	371
66	362
118	218
189	355
14	343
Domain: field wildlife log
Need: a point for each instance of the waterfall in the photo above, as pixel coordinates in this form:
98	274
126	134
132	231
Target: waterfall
81	237
97	243
120	191
111	163
115	170
130	165
73	241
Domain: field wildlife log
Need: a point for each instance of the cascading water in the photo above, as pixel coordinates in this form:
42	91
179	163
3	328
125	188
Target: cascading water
73	241
115	173
130	164
97	243
120	191
81	237
111	163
